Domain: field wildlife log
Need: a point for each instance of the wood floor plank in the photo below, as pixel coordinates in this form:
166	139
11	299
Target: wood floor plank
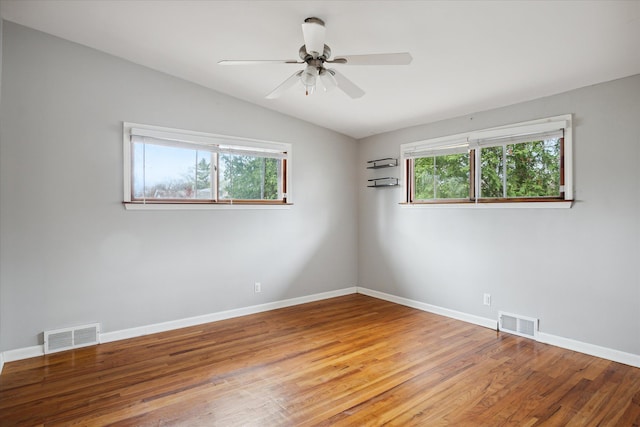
352	360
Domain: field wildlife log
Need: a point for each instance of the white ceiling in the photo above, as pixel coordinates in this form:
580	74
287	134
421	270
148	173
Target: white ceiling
468	55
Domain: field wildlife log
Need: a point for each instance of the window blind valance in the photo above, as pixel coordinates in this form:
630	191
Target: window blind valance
461	143
515	139
206	143
435	148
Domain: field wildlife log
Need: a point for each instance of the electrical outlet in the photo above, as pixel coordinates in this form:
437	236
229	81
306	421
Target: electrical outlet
257	287
487	299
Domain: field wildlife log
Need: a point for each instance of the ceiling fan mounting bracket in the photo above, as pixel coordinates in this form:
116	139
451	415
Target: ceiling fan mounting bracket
314	20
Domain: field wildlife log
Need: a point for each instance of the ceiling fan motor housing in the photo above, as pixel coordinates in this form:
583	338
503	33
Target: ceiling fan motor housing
306	56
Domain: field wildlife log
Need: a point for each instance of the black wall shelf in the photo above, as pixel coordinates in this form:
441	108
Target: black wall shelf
387	181
383	182
388	162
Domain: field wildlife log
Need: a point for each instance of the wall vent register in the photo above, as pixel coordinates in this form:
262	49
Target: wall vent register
518	325
70	338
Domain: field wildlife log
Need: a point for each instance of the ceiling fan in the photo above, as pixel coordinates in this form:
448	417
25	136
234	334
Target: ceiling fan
315	54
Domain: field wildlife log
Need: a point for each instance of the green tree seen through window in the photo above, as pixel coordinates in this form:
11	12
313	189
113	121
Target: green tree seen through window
532	170
528	169
249	177
442	177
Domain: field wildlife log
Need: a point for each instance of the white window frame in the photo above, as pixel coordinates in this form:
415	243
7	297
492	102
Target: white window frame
464	142
209	142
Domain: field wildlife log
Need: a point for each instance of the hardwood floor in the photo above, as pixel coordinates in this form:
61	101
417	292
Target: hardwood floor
352	360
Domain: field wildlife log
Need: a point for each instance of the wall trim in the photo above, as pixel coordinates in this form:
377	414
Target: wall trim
566	343
458	315
1	356
221	315
23	353
590	349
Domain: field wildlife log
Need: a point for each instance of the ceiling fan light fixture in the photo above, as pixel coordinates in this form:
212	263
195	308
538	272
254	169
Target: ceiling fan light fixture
308	78
328	80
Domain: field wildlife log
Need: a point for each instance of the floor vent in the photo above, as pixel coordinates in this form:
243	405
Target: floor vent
68	338
518	325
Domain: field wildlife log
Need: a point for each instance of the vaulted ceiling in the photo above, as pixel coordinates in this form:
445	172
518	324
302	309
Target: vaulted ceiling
467	55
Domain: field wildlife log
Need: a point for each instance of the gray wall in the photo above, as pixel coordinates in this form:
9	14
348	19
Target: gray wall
575	269
70	254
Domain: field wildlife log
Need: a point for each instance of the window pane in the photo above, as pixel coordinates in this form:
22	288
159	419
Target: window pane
424	178
442	177
163	172
203	176
492	172
249	177
452	176
533	169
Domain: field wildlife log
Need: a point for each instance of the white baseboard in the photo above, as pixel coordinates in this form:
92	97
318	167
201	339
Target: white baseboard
1	362
566	343
23	353
222	315
469	318
591	349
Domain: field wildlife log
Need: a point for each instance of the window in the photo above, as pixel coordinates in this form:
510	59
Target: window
441	177
526	169
168	166
526	162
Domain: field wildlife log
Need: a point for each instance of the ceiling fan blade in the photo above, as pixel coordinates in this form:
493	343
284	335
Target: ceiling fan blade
403	58
313	31
346	85
258	61
287	84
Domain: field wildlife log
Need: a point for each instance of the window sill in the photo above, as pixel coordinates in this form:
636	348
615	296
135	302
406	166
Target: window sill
201	206
562	204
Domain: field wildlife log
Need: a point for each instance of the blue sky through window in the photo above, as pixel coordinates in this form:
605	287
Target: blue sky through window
156	164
